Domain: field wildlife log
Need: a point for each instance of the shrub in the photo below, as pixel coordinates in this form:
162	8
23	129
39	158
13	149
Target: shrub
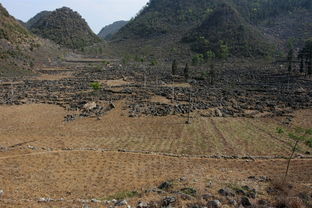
96	85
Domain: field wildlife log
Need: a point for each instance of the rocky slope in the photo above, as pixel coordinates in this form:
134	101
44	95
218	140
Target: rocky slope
108	31
64	27
37	17
20	50
15	44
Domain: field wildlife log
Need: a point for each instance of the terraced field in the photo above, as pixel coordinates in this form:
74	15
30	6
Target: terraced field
47	160
43	126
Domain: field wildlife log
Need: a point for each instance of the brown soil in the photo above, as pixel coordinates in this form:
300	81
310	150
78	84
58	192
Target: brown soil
27	175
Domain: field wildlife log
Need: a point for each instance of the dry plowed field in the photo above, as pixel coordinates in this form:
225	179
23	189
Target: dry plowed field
43	156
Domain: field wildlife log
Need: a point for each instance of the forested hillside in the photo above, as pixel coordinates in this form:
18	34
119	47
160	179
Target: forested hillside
258	27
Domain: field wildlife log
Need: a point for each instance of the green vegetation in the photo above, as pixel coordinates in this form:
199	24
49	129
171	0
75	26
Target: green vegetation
258	10
96	86
189	191
225	33
65	27
108	31
305	57
229	28
298	135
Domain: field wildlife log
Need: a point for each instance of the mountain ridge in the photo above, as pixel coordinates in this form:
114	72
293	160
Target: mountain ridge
108	31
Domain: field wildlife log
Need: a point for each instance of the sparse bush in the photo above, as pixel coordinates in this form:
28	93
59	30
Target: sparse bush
197	59
96	85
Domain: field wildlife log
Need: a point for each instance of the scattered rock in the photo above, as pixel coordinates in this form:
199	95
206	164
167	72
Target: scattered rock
218	113
214	204
168	201
142	205
44	200
207	196
121	203
233	202
226	192
89	106
95	201
165	185
245	202
263	202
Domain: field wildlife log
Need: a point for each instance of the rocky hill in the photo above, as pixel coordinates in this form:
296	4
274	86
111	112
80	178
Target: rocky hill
108	31
36	18
15	44
64	27
21	52
247	28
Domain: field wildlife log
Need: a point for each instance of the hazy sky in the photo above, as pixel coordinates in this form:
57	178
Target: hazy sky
97	13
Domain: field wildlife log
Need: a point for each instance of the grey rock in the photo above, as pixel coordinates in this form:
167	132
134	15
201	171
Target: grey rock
44	200
96	201
218	113
167	201
121	203
226	192
207	196
142	205
233	202
165	185
245	202
214	204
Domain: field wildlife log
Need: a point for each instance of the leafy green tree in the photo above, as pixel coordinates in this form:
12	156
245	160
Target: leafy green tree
209	55
224	50
197	59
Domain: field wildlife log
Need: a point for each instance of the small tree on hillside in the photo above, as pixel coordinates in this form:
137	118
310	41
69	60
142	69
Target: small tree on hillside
301	59
174	67
306	53
290	59
186	71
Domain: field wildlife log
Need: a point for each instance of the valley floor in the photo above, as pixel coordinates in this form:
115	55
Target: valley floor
46	161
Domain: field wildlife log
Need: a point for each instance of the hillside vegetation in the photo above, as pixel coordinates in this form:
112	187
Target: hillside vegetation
64	27
15	44
108	31
246	28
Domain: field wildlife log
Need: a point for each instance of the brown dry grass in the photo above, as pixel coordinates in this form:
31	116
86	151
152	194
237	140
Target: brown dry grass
115	83
87	175
186	85
210	136
28	174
